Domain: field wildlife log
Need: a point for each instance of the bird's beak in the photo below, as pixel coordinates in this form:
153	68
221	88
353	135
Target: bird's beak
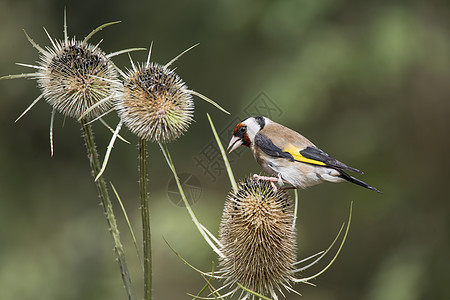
234	143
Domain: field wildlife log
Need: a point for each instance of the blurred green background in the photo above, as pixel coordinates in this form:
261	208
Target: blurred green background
368	82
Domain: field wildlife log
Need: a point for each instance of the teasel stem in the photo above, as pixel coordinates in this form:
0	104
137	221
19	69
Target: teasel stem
88	136
145	213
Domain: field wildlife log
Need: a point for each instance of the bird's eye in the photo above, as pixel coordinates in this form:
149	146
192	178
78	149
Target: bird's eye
243	129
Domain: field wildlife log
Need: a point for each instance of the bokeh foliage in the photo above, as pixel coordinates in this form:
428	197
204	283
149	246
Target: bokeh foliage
368	82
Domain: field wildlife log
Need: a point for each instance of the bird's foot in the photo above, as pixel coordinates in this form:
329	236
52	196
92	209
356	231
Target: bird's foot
272	181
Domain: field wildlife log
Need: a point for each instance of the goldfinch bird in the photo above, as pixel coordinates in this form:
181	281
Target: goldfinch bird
289	156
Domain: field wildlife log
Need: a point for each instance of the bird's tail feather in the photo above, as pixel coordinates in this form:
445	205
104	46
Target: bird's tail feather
357	181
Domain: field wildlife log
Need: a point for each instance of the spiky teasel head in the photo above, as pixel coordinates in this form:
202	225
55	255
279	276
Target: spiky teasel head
75	76
155	103
258	237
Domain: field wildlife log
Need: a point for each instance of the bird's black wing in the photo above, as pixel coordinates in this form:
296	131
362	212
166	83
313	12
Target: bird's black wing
269	148
309	155
315	153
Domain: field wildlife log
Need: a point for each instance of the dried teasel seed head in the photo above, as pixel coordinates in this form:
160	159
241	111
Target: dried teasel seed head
155	103
258	237
76	75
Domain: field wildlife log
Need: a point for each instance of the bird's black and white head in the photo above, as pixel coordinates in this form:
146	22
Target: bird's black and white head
244	133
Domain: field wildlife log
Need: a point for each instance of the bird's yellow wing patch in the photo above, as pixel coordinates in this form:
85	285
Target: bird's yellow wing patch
295	152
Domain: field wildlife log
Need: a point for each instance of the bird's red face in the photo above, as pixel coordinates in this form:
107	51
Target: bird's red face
240	137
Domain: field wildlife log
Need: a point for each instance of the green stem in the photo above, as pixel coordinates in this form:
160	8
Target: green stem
107	207
145	211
